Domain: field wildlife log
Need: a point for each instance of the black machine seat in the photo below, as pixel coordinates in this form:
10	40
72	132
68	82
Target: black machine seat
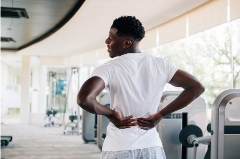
74	128
53	112
50	122
5	140
72	117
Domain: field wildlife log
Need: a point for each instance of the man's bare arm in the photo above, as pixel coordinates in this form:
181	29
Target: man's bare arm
192	89
86	99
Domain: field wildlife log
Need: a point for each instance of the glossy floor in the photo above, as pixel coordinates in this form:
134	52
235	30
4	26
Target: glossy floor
38	142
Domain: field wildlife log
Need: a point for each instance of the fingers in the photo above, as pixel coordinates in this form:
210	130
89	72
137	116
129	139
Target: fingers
144	122
127	125
127	118
124	127
131	124
144	125
141	127
146	119
145	128
129	121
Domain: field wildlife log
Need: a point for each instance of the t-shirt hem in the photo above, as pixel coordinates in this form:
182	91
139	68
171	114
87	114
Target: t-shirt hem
132	148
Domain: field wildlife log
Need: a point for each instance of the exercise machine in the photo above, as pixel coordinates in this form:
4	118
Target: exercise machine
88	127
102	121
5	140
171	125
224	141
49	117
50	112
90	122
76	128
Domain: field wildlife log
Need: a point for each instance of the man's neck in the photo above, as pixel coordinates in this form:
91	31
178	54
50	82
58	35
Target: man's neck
134	50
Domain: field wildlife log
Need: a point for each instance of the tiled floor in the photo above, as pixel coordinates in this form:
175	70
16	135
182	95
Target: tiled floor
36	141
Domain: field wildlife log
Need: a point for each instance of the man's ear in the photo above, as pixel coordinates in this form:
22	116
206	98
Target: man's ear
127	44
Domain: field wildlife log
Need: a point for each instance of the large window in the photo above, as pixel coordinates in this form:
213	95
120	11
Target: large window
212	56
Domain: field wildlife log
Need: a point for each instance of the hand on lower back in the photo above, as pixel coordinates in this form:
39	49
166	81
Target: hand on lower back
122	123
148	123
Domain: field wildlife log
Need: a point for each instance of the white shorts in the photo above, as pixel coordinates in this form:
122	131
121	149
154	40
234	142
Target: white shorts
146	153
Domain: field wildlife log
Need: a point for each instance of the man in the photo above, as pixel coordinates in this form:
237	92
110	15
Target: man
135	82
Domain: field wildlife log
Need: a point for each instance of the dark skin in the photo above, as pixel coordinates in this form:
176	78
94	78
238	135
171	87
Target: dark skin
118	46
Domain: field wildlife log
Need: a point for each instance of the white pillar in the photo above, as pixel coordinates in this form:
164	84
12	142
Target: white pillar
69	92
25	86
35	89
42	101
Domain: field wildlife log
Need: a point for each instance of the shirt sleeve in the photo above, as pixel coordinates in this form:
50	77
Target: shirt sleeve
170	70
103	73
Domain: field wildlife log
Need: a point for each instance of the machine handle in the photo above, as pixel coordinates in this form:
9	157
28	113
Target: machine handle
184	124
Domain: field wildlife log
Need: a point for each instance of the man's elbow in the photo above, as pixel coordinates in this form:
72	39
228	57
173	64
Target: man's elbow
82	101
200	88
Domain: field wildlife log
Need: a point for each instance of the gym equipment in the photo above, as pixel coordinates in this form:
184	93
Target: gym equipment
49	117
90	124
50	111
171	125
5	140
224	141
76	129
102	121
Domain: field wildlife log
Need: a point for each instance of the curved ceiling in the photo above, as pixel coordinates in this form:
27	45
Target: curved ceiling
89	27
45	17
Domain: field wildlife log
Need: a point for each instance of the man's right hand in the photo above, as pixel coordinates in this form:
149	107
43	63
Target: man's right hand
151	122
122	123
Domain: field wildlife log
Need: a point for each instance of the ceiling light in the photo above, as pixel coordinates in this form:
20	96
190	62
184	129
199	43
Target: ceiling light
7	12
7	39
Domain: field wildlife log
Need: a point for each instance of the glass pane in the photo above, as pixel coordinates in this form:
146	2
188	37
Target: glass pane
10	88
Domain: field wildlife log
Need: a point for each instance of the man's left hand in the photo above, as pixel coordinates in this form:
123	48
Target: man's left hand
148	123
122	123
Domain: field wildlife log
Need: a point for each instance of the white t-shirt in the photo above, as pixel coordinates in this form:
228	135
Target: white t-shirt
135	82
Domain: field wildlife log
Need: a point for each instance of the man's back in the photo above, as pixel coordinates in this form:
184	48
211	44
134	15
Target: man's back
135	82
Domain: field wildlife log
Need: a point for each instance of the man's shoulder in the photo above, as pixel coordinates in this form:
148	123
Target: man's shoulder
161	62
153	56
112	62
107	65
158	59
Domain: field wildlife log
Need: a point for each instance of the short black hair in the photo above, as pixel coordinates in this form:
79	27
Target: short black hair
129	26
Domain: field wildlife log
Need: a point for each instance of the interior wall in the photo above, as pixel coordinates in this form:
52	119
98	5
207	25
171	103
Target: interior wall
9	80
4	68
4	71
35	90
25	87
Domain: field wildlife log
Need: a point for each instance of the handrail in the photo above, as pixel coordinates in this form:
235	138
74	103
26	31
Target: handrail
218	119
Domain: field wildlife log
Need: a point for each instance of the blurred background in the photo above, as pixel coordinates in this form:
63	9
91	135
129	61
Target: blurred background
41	37
201	37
